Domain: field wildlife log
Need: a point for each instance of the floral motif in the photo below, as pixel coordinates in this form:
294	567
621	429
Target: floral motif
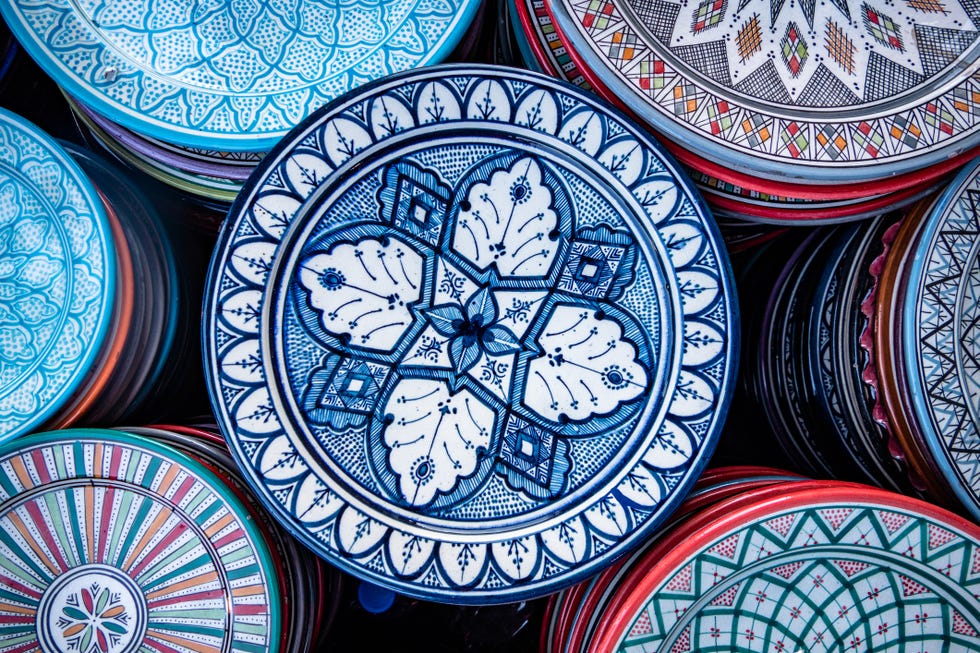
508	319
93	620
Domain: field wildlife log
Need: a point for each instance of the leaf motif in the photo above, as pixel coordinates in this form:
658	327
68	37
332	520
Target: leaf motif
86	640
481	305
103	600
498	340
445	319
114	627
434	438
88	601
509	221
74	613
464	353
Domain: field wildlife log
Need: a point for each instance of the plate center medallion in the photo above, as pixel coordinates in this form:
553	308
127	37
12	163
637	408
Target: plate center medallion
93	608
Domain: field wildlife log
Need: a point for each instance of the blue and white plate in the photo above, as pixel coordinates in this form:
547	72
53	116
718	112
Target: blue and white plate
941	334
228	75
470	334
57	276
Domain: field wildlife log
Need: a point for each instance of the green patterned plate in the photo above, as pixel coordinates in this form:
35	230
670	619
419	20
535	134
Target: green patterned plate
819	567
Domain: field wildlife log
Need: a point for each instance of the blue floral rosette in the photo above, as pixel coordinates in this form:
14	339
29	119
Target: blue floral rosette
470	334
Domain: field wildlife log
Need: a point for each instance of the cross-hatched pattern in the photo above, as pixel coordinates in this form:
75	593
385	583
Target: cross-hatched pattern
686	99
868	137
756	130
718	116
794	138
708	14
882	27
597	14
653	75
927	6
905	131
709	58
832	141
794	49
838	578
749	39
839	47
967	100
622	46
938	117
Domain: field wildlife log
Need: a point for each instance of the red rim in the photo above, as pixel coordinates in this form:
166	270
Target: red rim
812	215
692	536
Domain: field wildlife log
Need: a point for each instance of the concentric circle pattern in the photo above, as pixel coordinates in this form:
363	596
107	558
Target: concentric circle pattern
114	544
57	276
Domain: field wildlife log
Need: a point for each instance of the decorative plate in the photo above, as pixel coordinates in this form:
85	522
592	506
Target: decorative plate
817	566
113	543
57	276
227	75
470	334
940	322
808	92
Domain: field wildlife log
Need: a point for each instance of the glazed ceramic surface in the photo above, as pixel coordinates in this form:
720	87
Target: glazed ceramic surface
113	544
469	334
227	75
941	314
815	570
57	272
848	90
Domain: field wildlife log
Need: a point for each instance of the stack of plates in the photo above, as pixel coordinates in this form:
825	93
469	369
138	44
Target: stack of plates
810	565
309	589
469	334
90	297
923	342
573	616
784	112
194	95
113	542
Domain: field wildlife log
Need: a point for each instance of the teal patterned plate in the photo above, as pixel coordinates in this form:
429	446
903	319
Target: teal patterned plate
228	75
818	566
57	276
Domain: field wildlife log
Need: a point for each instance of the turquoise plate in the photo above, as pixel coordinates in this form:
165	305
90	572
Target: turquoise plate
57	276
225	75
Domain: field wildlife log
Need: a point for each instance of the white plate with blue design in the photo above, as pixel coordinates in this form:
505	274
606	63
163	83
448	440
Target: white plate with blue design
470	334
940	320
227	75
57	276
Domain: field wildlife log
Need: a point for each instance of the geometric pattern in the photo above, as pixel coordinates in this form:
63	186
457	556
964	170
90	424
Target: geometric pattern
832	142
905	131
239	80
560	64
794	49
862	54
794	138
112	544
942	312
808	579
467	326
708	14
882	27
839	47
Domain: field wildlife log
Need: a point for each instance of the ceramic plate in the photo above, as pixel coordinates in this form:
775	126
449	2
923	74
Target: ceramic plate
940	322
816	566
227	75
113	543
806	92
470	334
57	272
